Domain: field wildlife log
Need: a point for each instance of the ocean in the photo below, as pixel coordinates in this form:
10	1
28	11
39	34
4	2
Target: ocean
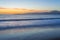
30	27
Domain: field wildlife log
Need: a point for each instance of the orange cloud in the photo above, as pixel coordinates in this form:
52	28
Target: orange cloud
17	10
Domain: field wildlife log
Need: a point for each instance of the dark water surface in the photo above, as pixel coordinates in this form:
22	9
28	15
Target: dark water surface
46	29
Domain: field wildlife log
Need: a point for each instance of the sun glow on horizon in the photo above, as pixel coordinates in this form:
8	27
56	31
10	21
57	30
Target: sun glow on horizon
18	10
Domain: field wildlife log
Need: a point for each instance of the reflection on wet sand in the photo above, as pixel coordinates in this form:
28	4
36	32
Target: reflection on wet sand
30	33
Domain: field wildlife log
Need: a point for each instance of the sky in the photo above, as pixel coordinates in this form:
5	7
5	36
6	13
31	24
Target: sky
31	4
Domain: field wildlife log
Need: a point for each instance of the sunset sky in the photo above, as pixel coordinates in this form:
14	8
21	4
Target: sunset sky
21	6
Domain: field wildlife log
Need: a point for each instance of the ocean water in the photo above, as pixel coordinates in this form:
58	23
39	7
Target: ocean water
29	27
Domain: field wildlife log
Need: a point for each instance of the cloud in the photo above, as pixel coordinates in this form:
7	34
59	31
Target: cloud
17	10
2	8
